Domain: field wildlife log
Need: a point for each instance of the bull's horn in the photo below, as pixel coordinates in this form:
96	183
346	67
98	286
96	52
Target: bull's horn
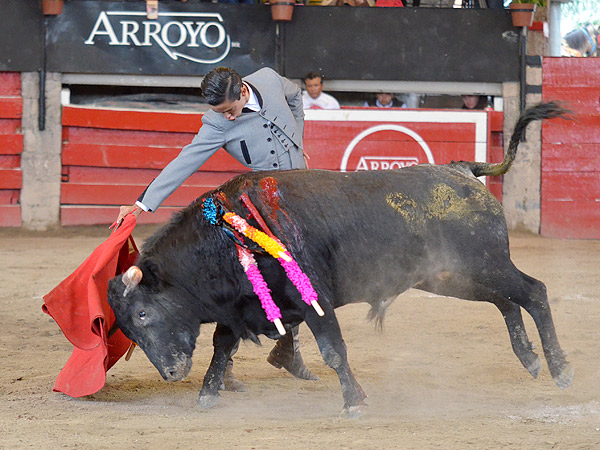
131	278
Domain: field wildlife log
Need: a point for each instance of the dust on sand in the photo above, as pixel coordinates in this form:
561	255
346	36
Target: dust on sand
441	375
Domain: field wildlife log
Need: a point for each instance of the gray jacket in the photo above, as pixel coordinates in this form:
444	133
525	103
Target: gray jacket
265	140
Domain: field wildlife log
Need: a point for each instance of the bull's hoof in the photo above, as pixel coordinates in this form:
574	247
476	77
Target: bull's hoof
534	367
208	401
564	379
353	412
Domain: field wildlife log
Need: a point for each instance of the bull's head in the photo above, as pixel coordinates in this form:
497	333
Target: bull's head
147	315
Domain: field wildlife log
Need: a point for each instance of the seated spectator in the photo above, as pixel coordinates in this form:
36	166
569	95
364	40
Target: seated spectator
314	97
385	100
473	101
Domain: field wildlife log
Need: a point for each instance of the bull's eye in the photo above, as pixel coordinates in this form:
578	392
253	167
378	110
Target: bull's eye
142	315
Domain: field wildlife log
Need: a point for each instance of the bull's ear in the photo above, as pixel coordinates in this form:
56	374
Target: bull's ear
151	273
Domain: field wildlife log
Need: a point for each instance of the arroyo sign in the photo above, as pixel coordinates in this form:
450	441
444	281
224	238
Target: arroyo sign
185	39
353	140
201	38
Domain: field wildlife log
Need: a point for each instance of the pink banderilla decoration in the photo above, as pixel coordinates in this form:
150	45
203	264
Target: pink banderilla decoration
302	283
259	285
274	247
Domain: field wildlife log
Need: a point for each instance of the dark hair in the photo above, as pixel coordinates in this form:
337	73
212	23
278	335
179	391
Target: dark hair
221	85
312	76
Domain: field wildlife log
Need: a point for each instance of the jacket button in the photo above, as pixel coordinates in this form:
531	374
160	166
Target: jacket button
269	139
272	152
274	164
265	125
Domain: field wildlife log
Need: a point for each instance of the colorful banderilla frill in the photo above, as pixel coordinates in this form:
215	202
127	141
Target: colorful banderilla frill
275	249
259	285
278	251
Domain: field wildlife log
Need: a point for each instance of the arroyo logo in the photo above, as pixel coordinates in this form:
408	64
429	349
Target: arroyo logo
383	162
198	37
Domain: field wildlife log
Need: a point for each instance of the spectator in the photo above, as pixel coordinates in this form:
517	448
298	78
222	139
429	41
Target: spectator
385	100
314	97
473	101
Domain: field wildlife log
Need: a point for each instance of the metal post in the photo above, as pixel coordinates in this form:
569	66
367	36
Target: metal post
523	88
279	47
554	25
42	80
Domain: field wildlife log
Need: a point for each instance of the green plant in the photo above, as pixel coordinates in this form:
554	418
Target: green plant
540	3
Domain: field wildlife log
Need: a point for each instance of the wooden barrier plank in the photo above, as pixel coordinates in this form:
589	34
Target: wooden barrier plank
9	196
581	100
10	216
11	107
570	220
98	194
571	157
102	215
139	177
496	121
327	154
10	126
10	83
495	154
495	188
10	161
496	139
11	179
584	130
130	120
11	144
138	157
430	132
571	186
576	72
77	135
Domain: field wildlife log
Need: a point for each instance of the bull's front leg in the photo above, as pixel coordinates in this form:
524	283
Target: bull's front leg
327	332
224	342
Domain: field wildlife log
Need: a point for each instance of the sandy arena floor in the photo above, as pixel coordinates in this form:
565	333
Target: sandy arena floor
441	376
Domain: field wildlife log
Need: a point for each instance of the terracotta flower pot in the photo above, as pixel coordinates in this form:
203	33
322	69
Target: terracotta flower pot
282	10
522	14
52	7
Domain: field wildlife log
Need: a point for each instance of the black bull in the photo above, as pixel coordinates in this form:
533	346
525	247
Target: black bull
360	237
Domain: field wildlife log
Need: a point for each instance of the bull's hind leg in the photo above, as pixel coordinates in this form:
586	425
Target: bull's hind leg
518	336
510	289
531	295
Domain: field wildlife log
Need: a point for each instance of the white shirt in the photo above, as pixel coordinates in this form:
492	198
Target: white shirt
323	101
252	101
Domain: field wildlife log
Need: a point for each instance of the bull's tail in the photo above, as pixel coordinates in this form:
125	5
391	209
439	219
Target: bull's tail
538	112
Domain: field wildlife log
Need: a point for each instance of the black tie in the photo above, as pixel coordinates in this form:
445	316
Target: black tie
247	110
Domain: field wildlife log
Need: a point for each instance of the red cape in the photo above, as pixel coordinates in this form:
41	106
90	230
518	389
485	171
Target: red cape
80	307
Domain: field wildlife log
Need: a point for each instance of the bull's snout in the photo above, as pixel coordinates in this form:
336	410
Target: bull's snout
177	371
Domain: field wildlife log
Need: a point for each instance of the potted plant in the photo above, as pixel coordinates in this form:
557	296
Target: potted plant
522	11
282	10
52	7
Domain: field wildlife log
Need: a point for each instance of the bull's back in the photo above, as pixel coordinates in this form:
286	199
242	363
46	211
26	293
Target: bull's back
371	235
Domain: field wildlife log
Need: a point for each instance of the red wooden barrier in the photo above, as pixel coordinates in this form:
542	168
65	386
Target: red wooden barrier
11	147
109	156
570	203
